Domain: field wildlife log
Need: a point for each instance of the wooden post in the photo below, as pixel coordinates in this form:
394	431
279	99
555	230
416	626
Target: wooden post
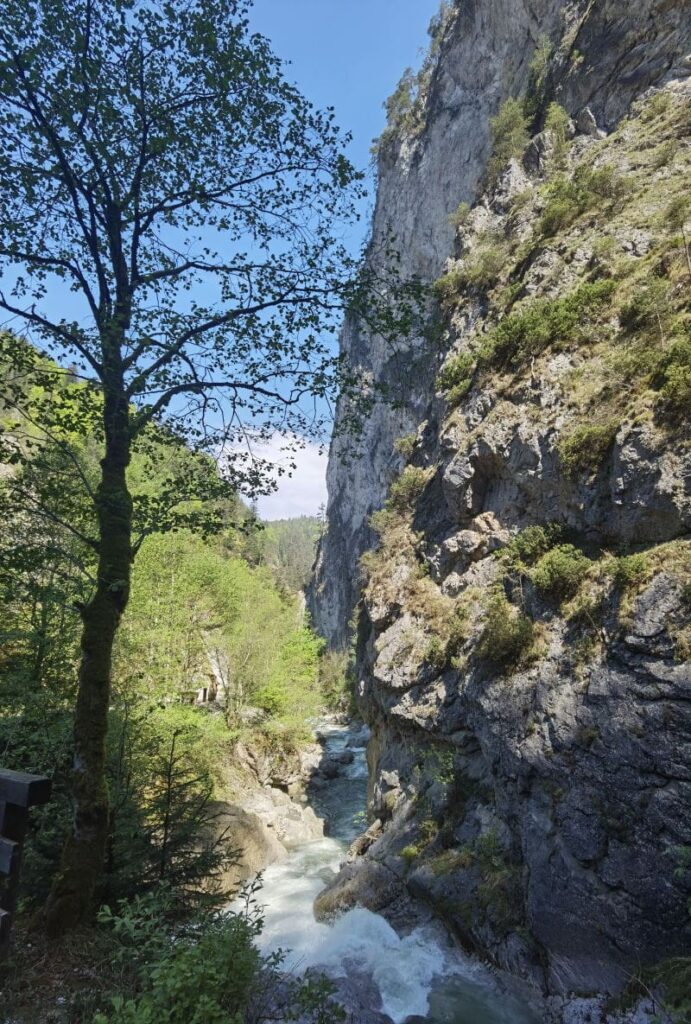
18	792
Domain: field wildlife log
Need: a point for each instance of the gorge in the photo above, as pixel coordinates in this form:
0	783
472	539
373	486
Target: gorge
444	775
521	615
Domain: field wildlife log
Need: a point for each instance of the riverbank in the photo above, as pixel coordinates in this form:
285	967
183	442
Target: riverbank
382	975
400	966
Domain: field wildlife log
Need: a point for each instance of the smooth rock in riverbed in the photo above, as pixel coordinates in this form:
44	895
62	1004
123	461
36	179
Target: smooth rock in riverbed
291	823
257	844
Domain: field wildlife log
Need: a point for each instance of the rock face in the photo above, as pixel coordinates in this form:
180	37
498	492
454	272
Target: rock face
524	633
605	54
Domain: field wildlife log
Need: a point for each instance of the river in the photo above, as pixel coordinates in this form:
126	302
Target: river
419	975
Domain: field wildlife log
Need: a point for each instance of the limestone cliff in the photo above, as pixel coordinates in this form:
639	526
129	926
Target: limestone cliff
524	635
604	54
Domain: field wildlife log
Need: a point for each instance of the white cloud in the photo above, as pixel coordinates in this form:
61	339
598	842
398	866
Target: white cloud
304	491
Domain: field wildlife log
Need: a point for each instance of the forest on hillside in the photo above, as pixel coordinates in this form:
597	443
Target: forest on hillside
215	648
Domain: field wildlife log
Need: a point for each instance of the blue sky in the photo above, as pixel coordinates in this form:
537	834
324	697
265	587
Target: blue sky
348	54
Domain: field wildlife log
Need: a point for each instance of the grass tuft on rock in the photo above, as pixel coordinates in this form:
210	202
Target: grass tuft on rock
584	449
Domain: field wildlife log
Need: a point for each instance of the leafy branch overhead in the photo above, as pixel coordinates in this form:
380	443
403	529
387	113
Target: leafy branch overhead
187	195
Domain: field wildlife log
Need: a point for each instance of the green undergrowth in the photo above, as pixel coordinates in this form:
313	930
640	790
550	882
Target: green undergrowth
566	197
456	377
581	583
496	898
207	972
558	573
584	449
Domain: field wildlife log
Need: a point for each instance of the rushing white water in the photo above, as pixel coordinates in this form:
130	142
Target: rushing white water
416	975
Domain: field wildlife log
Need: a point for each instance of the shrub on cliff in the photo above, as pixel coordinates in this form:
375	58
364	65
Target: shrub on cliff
675	377
407	489
485	262
530	544
648	310
567	198
560	572
509	134
539	67
543	322
507	636
456	376
557	122
631	570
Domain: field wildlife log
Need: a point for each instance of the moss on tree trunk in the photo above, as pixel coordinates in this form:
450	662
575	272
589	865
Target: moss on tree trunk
72	897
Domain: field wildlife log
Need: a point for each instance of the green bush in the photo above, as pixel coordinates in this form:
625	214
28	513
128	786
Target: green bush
559	573
335	680
530	544
455	377
544	322
435	653
500	893
561	209
509	134
677	212
459	215
210	978
508	634
665	153
480	267
649	309
539	66
405	446
208	973
584	449
400	110
568	198
557	121
483	265
600	184
407	489
410	853
447	287
657	106
630	570
674	977
382	522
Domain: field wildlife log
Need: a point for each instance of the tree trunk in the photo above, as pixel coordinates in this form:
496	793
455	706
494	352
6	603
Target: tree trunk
72	897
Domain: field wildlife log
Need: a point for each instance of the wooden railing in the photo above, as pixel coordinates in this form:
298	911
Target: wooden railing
18	792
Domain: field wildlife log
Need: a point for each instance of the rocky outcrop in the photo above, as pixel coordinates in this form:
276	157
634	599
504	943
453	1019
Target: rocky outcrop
524	634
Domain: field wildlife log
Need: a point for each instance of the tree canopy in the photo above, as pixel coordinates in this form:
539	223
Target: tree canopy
158	165
170	235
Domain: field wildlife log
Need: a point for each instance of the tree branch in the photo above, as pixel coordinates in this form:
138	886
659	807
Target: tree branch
31	316
59	263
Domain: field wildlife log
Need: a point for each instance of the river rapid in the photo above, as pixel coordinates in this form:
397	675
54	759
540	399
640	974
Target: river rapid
420	975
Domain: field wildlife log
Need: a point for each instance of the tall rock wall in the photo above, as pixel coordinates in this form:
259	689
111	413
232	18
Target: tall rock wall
524	633
605	54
